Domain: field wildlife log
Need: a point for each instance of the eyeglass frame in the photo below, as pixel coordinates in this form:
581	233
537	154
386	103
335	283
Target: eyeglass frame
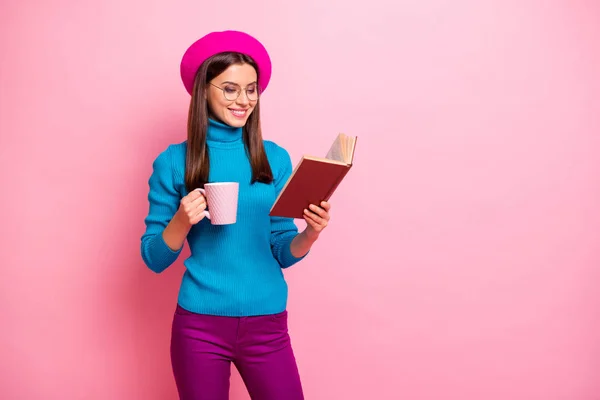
244	89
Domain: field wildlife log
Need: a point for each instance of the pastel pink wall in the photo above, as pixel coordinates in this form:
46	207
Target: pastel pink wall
462	258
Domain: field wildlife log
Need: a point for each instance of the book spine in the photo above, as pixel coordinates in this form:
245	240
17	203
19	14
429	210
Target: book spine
337	183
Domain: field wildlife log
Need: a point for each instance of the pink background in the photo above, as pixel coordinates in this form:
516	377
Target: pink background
462	258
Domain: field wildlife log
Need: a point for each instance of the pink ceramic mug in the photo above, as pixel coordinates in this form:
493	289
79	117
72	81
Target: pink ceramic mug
222	201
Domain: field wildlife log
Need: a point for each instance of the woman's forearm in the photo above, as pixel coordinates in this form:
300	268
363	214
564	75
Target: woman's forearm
301	244
176	232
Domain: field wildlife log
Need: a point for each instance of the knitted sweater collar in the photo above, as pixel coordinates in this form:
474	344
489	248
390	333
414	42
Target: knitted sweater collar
218	132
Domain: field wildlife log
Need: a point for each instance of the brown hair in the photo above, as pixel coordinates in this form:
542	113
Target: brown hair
197	163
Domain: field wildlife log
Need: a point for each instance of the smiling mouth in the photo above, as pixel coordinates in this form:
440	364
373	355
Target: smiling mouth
238	113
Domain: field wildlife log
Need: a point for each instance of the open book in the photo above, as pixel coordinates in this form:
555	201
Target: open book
315	179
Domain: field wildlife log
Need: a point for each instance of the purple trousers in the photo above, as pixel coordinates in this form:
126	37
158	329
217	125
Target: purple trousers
204	346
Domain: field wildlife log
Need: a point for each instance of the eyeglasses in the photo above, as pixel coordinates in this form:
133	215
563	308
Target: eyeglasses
232	91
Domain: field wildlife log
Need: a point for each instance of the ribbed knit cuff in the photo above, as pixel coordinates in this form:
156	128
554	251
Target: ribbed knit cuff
160	256
286	258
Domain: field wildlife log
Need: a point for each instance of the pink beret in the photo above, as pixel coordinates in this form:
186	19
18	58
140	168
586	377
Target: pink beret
218	42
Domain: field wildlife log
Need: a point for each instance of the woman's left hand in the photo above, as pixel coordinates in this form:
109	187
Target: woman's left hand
317	219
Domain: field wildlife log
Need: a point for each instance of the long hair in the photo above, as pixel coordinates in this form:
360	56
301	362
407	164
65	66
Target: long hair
197	162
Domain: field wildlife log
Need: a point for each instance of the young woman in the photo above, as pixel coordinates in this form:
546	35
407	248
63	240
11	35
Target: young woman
233	295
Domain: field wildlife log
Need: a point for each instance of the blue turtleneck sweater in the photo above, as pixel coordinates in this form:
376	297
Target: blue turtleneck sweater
233	270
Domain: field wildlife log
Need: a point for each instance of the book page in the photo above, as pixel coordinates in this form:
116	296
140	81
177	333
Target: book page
336	152
350	146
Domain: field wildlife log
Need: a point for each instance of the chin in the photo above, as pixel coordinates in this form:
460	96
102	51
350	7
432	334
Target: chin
236	122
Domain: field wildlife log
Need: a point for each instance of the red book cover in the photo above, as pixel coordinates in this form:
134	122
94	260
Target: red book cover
314	180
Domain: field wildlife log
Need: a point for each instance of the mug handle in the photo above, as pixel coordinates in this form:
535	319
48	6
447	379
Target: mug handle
206	213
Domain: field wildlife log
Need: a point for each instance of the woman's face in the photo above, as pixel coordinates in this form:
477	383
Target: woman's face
223	90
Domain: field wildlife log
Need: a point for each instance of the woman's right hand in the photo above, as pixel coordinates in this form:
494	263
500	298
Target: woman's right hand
191	208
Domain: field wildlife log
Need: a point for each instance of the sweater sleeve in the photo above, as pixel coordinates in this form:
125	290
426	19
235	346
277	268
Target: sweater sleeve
163	201
283	230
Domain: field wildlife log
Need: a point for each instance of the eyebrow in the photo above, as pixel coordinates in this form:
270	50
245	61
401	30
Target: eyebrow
233	83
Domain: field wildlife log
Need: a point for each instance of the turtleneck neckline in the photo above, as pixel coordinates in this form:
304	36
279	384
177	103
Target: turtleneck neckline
222	135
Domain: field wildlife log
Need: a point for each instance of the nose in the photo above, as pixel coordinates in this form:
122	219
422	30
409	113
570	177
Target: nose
243	99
